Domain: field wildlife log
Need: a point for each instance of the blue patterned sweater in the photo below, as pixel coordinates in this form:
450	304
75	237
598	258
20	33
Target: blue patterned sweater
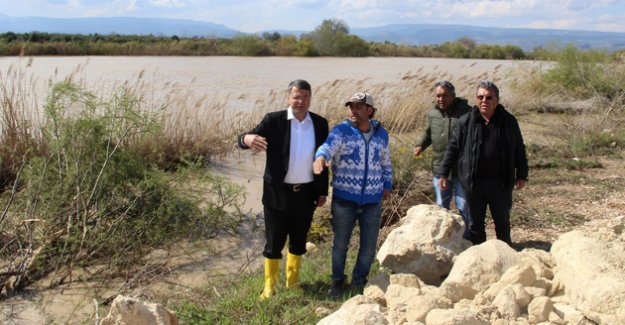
360	171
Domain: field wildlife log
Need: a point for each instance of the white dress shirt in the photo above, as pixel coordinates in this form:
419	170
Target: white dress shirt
302	150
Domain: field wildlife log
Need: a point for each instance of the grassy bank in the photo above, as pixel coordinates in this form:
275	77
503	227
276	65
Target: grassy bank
234	300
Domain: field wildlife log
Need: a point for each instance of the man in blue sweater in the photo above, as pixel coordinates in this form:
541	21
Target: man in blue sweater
361	178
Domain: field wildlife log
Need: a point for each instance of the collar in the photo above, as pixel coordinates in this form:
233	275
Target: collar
290	116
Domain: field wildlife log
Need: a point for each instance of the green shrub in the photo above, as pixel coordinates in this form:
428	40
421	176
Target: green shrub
92	198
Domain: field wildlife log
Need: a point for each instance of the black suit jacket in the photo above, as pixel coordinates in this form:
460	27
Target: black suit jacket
277	130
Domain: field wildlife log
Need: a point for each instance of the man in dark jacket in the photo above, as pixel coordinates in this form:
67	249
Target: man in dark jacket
290	190
441	120
488	147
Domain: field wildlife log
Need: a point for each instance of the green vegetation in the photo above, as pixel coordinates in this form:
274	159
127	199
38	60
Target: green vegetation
235	299
330	38
588	87
87	197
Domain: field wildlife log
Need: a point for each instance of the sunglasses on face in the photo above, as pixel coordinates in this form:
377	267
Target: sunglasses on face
484	98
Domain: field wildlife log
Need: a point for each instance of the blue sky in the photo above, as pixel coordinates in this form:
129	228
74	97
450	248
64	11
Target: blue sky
258	15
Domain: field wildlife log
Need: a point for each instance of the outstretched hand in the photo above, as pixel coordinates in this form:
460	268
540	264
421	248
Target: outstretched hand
319	164
255	142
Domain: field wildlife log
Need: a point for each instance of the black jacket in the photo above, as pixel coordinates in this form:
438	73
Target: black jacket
464	148
277	130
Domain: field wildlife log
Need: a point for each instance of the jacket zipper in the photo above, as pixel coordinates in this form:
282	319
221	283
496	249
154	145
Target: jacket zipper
364	181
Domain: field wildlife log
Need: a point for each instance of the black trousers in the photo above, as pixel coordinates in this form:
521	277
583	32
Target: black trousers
293	223
490	193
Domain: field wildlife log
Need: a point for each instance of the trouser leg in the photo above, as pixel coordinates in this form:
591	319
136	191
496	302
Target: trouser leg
477	206
343	221
500	202
369	224
300	214
276	231
463	206
443	196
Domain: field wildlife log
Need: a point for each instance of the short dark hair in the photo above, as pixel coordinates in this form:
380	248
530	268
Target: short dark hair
300	84
485	84
445	84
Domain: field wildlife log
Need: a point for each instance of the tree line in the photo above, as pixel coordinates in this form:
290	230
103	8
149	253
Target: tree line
331	38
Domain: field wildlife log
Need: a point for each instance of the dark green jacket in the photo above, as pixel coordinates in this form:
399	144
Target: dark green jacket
440	124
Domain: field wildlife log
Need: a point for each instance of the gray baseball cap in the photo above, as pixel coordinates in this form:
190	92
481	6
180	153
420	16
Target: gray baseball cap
364	98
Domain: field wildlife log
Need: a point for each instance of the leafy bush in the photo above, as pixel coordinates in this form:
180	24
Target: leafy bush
91	198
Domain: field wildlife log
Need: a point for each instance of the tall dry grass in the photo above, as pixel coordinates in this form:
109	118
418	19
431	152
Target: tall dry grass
19	135
205	126
85	189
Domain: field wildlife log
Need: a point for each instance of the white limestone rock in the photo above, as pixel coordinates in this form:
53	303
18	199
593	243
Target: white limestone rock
480	266
539	309
426	243
131	311
453	317
592	272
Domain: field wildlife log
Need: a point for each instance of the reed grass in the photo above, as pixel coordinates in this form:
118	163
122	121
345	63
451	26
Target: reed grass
85	184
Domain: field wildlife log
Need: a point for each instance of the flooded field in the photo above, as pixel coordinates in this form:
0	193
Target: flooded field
239	80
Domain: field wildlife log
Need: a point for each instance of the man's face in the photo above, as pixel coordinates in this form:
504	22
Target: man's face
359	113
299	101
444	97
487	101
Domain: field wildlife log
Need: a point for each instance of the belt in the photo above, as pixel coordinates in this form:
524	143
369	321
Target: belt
297	187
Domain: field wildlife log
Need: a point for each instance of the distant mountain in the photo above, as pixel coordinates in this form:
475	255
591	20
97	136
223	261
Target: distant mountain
116	25
409	34
526	38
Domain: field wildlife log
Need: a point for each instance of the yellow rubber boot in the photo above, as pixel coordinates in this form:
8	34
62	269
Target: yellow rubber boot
293	263
272	266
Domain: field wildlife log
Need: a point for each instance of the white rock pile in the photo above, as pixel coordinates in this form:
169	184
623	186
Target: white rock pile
438	278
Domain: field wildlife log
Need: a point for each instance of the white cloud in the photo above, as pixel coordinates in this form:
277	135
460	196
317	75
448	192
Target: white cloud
131	6
96	12
166	3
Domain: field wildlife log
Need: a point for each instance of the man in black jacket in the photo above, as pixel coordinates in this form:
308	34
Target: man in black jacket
488	147
290	190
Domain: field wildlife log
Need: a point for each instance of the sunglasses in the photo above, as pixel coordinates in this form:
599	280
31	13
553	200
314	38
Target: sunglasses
482	97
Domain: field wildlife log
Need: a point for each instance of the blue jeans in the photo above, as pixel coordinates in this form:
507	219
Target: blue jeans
344	216
443	199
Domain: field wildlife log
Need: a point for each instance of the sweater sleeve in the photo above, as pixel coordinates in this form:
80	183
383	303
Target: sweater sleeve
331	146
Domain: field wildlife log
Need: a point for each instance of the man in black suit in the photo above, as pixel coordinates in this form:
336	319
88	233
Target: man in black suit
290	190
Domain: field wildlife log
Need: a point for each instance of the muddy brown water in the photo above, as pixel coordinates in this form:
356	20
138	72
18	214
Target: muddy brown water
235	80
